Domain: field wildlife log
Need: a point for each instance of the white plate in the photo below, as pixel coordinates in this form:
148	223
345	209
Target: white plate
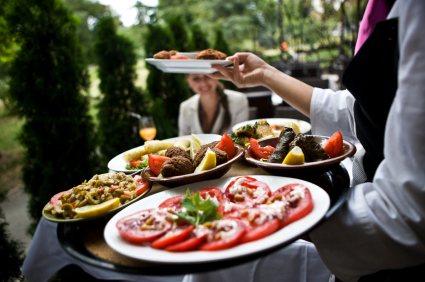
187	70
187	66
118	164
288	233
303	125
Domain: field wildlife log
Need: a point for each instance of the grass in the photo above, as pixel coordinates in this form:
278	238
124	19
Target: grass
11	151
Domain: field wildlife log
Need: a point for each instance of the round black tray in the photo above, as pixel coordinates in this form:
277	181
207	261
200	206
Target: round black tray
70	236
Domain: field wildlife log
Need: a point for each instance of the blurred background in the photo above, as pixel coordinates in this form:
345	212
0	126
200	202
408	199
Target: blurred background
71	71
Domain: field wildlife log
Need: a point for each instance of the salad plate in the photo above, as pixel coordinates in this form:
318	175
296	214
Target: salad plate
51	217
286	235
118	164
278	122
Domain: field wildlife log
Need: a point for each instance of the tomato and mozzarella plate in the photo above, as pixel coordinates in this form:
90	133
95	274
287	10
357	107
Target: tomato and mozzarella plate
250	212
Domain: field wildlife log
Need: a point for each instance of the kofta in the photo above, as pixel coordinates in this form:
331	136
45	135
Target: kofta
176	166
201	153
210	54
177	152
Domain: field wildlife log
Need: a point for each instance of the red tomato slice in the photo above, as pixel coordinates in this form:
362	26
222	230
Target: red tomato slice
173	203
334	145
297	209
258	232
226	144
155	163
189	244
135	162
258	191
130	227
142	185
233	230
259	222
260	152
179	57
211	193
173	237
56	199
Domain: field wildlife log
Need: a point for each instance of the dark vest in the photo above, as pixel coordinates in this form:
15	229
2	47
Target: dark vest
371	77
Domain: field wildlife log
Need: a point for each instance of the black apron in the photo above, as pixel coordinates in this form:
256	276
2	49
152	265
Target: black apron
371	77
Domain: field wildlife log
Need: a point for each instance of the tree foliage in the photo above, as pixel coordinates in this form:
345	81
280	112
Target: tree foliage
198	40
47	80
89	13
117	61
166	90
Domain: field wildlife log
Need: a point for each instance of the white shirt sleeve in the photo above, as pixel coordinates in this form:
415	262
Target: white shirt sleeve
381	226
331	112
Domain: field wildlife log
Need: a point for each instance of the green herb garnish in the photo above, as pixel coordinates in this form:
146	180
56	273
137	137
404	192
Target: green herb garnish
198	211
144	164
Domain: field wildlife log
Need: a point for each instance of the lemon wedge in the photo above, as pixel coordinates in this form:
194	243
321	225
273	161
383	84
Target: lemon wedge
93	210
196	139
295	127
208	162
194	148
294	157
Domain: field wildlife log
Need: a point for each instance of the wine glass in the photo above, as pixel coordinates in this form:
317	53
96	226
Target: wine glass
147	129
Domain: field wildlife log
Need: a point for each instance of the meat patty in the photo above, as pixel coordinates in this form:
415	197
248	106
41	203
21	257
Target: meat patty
210	54
221	156
162	55
201	153
176	166
177	152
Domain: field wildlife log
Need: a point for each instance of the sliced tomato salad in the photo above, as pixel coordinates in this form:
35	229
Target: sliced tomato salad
260	152
215	194
135	162
223	234
144	226
172	204
173	237
334	145
247	191
226	145
196	238
255	214
294	200
260	221
155	163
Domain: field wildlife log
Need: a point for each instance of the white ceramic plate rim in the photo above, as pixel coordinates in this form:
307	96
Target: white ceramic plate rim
290	232
118	164
304	126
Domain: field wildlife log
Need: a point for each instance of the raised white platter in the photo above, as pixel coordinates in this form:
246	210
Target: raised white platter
303	125
187	66
289	233
118	164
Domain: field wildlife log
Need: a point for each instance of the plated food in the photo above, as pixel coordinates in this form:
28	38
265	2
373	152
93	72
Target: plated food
257	220
259	130
138	157
101	194
207	54
261	151
278	124
199	162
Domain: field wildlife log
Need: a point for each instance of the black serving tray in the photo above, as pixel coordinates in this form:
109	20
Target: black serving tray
70	236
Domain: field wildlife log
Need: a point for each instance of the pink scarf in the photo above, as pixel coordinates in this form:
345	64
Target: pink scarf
376	10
